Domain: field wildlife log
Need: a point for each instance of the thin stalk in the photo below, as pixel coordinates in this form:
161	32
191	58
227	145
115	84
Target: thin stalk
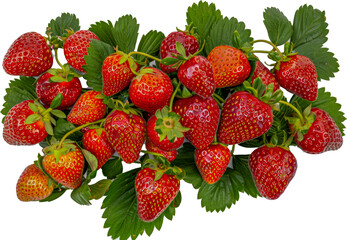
173	96
270	43
302	119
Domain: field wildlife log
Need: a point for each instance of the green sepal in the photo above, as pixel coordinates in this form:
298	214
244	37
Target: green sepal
33	107
32	118
48	127
58	113
236	40
91	159
57	100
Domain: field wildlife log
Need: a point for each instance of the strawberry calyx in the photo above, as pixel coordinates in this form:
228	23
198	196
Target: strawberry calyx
189	30
65	74
59	148
162	166
168	125
264	92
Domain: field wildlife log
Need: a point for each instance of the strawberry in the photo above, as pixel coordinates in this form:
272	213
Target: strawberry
243	117
126	133
96	141
65	165
165	131
266	76
75	48
168	47
299	76
17	129
319	136
197	75
90	107
116	73
169	155
230	66
154	196
47	90
272	170
29	55
33	185
201	116
212	161
151	90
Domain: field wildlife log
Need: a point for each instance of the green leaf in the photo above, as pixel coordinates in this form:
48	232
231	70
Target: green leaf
120	207
98	190
126	33
19	90
58	26
58	113
104	31
57	193
222	32
82	195
32	118
150	44
309	27
97	52
112	168
91	159
201	17
326	102
56	101
64	127
279	28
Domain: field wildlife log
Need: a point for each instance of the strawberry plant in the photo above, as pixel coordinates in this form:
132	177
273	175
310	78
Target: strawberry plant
173	109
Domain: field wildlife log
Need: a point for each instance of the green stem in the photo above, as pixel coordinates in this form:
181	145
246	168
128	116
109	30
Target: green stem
144	54
270	43
152	153
173	96
46	111
302	119
57	60
77	129
260	51
232	150
218	97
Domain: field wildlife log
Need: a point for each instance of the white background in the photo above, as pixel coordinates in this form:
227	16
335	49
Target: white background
313	206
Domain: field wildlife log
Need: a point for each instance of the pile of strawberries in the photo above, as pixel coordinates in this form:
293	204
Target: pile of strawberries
155	117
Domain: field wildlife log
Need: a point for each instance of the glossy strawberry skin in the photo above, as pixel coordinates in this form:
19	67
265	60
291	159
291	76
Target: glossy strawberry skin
212	162
168	47
197	75
272	170
169	155
243	117
266	76
17	132
75	48
323	135
88	108
126	133
230	66
154	136
153	197
32	185
46	91
29	55
116	77
299	76
201	116
96	142
151	91
68	170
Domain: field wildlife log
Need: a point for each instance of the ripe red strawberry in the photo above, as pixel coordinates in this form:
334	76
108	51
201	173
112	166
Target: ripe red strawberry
299	76
126	133
169	155
266	76
90	107
96	142
272	170
151	90
243	117
163	144
153	197
168	47
75	48
230	66
67	169
212	162
117	75
17	131
47	90
197	75
33	185
323	134
201	116
29	55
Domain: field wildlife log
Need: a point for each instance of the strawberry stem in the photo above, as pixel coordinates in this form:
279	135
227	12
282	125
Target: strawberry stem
145	54
270	43
215	95
57	60
173	96
295	109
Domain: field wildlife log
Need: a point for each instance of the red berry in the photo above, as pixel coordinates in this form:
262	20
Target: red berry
266	76
169	155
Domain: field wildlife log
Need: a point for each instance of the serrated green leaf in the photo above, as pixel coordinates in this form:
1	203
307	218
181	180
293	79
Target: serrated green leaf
57	193
82	194
104	31
150	44
222	32
112	168
279	28
58	26
326	102
98	189
126	32
97	52
120	211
